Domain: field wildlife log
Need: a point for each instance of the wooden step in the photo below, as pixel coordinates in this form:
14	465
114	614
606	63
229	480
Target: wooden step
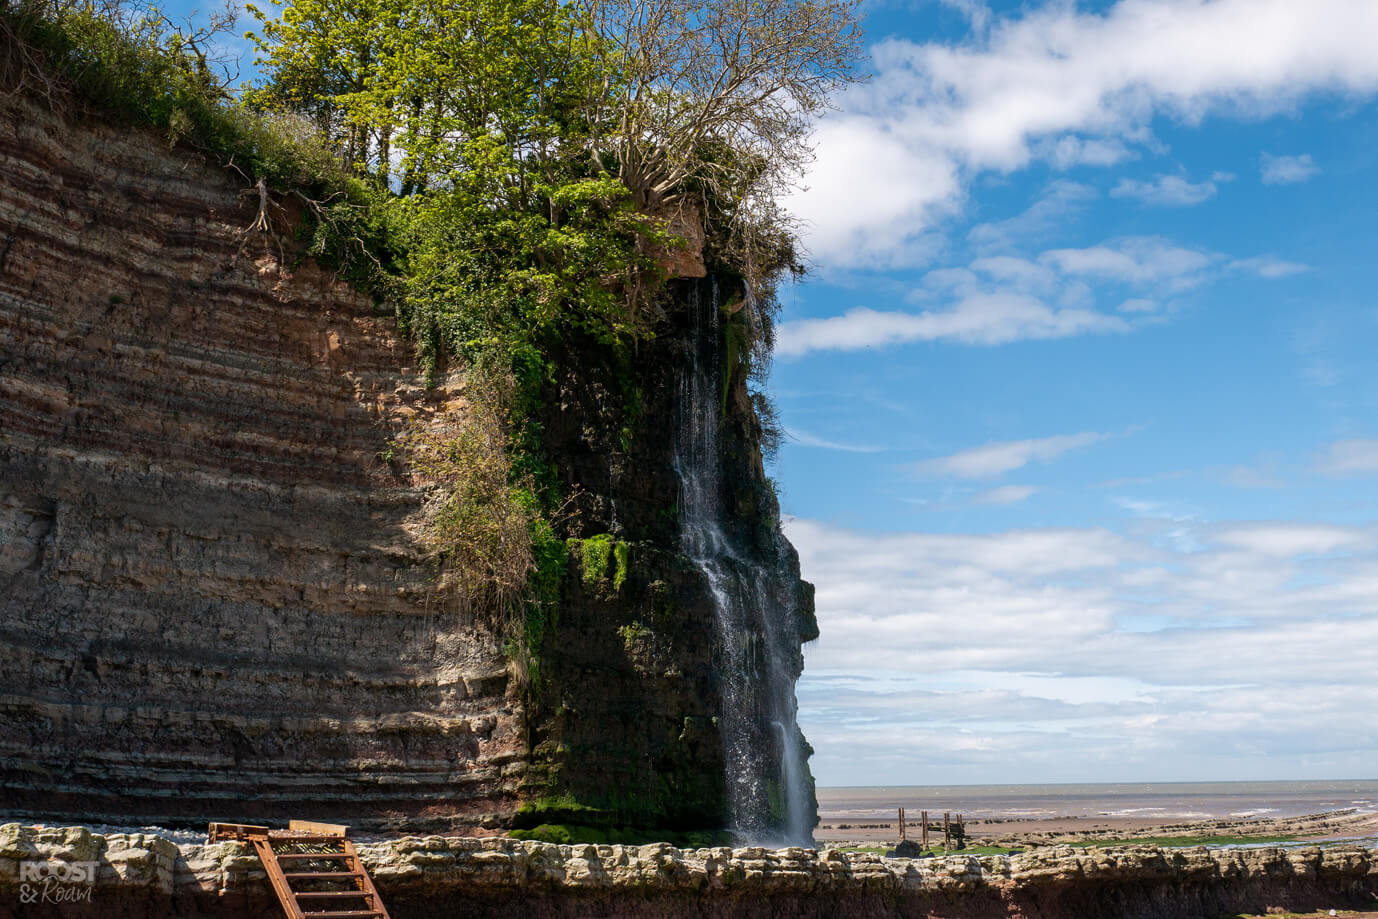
341	914
364	894
281	856
337	830
294	875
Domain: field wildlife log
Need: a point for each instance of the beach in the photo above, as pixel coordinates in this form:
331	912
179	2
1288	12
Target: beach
1048	814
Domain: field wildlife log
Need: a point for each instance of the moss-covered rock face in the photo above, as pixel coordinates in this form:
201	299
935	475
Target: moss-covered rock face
625	733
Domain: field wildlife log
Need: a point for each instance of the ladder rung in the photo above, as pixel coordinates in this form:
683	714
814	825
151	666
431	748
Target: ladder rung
299	894
299	855
293	875
341	914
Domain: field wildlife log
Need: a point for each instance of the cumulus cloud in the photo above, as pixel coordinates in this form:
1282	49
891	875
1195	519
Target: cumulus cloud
1047	646
982	319
1002	298
1165	191
999	458
1136	260
1287	170
1065	85
1293	539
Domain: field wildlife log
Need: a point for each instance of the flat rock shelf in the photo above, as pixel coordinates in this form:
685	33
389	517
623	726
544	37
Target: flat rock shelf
146	875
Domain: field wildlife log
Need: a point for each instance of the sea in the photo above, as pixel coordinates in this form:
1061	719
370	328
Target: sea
1152	801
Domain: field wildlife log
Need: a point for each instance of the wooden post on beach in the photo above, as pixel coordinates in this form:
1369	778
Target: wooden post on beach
901	824
947	830
923	818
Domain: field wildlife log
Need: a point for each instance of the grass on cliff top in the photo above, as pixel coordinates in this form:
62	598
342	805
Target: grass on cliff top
130	64
567	833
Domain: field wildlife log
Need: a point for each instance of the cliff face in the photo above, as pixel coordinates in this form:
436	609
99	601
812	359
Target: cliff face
213	603
632	730
215	600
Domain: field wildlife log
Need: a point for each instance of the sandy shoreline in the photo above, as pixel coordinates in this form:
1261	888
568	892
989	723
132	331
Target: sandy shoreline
1342	824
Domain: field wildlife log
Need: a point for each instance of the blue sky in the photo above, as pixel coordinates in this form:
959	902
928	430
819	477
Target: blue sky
1083	446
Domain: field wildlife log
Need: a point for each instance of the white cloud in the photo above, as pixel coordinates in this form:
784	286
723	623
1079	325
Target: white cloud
1136	260
1067	152
1266	266
806	439
1293	539
1083	649
999	458
1058	201
980	319
1065	85
1138	305
1006	494
870	195
1287	170
1351	457
1003	298
976	12
1165	191
1010	269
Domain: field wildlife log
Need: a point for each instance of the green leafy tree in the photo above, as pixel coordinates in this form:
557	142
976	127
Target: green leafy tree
320	55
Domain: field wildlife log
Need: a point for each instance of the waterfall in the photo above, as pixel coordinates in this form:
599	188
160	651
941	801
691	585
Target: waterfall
757	657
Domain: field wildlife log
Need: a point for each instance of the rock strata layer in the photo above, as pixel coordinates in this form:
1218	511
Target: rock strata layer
145	875
214	602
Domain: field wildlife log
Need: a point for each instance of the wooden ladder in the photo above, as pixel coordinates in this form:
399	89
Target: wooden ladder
332	881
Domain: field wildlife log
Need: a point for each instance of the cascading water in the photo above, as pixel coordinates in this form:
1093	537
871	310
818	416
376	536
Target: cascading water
758	656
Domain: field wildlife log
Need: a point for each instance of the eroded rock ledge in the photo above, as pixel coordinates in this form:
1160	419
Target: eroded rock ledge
147	875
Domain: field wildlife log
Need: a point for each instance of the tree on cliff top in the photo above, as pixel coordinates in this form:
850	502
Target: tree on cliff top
670	99
749	75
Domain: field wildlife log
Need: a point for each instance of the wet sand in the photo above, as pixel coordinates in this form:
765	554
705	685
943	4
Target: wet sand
1344	824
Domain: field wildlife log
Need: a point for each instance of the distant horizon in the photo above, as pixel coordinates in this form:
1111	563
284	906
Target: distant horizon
1373	780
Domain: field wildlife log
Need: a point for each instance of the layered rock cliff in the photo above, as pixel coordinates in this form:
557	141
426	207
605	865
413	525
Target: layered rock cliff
215	598
143	875
213	601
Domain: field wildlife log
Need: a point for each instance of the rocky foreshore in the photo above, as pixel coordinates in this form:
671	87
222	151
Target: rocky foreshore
144	875
1341	824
